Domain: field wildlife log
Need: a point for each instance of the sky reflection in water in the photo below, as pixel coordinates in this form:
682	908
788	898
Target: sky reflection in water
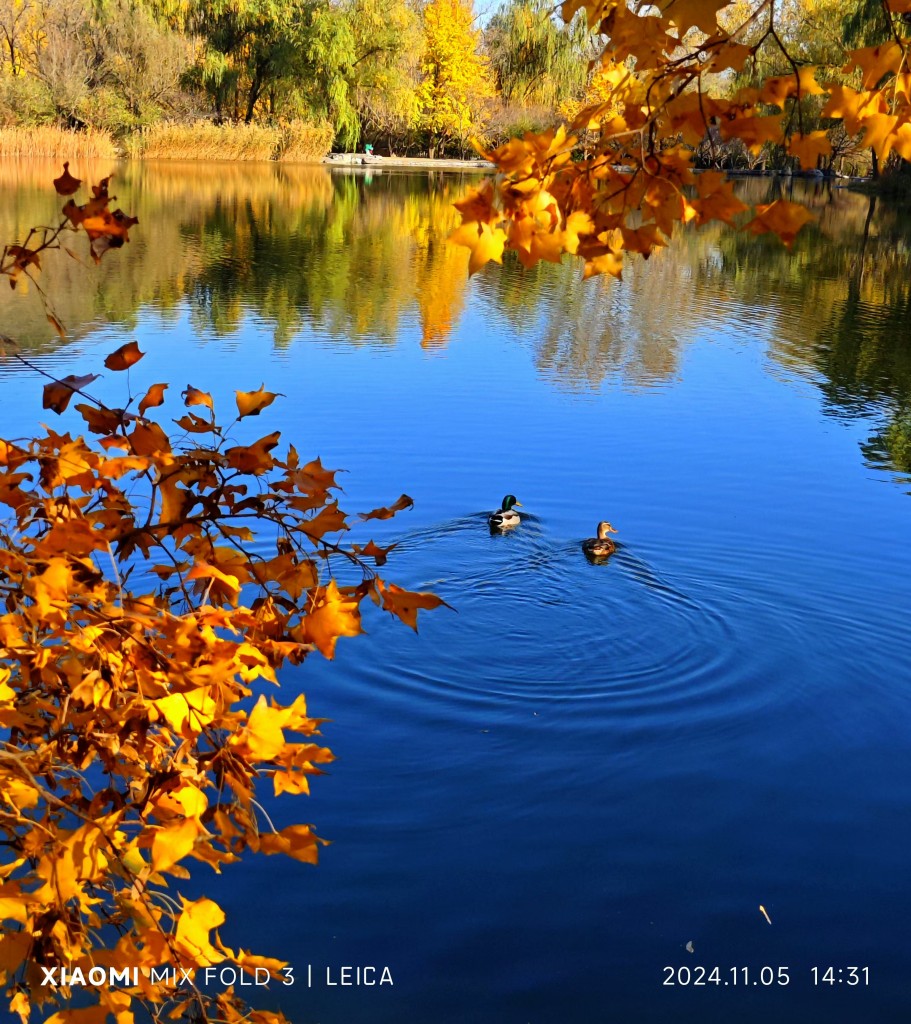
544	796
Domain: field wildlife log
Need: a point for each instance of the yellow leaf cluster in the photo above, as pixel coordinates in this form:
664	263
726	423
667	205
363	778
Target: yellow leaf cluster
140	626
619	176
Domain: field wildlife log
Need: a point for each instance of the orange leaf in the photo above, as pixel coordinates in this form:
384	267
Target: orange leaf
296	841
776	90
876	61
148	439
102	421
878	133
703	14
607	263
58	393
252	403
262	738
485	242
193	396
782	218
124	357
374	551
173	843
153	397
388	512
809	148
330	614
254	458
405	603
331	519
193	927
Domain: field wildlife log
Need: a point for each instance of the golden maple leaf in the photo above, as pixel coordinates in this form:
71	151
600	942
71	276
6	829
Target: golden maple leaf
782	218
252	403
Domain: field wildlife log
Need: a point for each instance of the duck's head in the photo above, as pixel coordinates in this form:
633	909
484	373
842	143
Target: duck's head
510	502
604	529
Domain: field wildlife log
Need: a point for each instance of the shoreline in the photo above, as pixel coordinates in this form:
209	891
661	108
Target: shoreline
415	162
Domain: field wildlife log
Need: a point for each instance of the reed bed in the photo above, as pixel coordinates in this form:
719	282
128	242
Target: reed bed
304	141
202	140
47	140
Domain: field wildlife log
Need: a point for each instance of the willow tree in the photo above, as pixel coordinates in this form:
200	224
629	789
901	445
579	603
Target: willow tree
533	56
385	72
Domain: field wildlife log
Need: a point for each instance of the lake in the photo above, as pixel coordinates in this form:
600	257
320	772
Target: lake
542	798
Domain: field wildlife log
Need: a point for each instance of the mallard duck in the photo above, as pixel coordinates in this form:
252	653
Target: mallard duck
600	546
505	518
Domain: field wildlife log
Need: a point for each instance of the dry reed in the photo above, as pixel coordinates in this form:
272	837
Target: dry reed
49	140
203	140
305	142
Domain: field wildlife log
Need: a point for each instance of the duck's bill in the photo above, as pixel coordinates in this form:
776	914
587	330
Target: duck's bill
519	504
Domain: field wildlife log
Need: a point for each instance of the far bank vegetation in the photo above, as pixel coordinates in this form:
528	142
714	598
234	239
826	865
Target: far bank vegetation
293	79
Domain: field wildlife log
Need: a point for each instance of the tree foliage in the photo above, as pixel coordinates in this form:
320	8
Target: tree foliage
534	58
153	582
638	182
456	77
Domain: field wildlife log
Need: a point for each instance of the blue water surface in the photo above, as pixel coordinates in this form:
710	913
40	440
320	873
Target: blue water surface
542	797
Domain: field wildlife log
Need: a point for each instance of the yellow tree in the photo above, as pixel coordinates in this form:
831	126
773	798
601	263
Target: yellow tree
456	78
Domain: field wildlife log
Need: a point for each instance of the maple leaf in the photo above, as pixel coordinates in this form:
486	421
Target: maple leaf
330	614
605	263
20	1005
878	133
776	90
851	106
753	131
58	393
252	403
221	586
188	712
173	842
297	841
476	207
406	603
702	14
124	357
261	738
389	511
193	396
330	519
485	242
902	139
153	397
102	421
374	551
194	424
66	184
782	218
148	439
809	148
876	62
254	458
195	922
315	476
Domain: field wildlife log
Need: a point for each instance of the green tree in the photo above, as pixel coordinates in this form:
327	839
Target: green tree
535	58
